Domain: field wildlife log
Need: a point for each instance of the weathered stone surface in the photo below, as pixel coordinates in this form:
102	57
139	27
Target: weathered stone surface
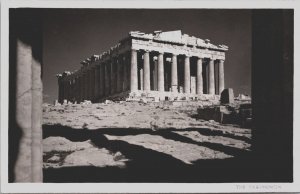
227	96
94	157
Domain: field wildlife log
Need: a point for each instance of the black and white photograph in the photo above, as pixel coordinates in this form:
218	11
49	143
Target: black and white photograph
107	93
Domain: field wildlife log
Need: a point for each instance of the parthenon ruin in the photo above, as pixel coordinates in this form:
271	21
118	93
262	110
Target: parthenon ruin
161	65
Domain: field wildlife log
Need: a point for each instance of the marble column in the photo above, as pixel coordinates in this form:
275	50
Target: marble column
66	89
112	76
97	82
199	77
82	86
92	91
78	95
221	76
187	75
101	81
133	71
60	87
141	73
79	87
155	73
146	71
71	86
107	78
211	77
174	75
119	74
125	81
86	85
75	89
160	79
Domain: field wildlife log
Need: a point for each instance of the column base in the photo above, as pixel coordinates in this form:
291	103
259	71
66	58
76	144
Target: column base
174	89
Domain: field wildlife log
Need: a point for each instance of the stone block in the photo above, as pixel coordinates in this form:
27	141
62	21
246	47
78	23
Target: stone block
227	96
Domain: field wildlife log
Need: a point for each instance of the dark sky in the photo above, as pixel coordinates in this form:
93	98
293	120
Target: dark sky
71	35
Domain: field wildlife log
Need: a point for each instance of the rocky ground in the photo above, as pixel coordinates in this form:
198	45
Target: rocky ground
137	142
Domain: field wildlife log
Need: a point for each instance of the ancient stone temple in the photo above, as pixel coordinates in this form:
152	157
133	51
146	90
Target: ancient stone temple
160	65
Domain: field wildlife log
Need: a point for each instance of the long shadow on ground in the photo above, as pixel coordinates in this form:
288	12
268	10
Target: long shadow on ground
146	165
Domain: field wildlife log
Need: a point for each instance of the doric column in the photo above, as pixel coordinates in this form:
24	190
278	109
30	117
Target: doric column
78	89
92	81
82	87
101	80
141	73
187	75
65	96
174	76
199	77
146	71
66	87
155	73
107	78
71	85
112	81
119	74
133	71
211	77
69	89
59	88
75	89
97	82
86	85
124	64
115	75
221	76
160	79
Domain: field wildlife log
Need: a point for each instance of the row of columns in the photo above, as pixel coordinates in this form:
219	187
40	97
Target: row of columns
97	81
113	76
174	74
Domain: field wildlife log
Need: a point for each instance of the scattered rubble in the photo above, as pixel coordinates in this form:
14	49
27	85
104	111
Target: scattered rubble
232	113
